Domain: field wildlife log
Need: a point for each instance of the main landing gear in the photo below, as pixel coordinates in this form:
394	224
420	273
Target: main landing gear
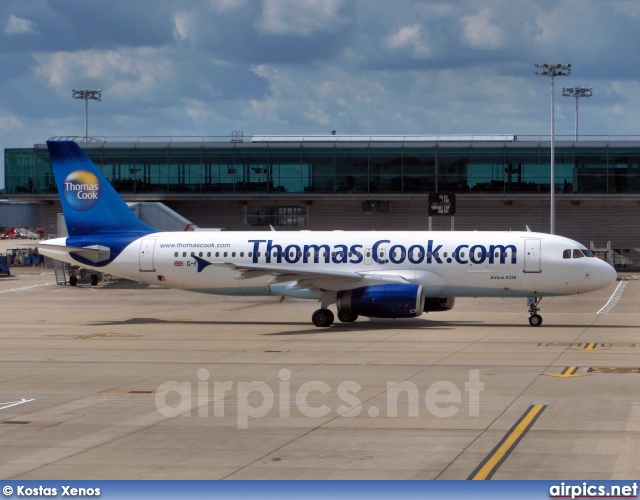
534	319
322	317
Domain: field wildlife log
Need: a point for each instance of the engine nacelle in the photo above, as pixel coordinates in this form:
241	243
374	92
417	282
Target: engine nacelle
383	301
435	304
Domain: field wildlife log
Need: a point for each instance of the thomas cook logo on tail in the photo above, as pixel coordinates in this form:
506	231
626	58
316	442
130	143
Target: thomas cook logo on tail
81	190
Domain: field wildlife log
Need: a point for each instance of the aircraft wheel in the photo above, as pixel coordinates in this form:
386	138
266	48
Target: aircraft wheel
322	318
94	280
535	320
73	280
347	317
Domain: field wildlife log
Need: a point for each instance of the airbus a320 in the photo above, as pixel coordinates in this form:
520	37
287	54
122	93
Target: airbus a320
398	274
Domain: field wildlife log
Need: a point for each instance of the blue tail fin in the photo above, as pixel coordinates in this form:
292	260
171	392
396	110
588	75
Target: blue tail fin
90	204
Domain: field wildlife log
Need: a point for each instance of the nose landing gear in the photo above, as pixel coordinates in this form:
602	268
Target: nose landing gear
534	319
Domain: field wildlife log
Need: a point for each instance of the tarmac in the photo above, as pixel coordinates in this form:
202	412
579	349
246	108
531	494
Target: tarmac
127	381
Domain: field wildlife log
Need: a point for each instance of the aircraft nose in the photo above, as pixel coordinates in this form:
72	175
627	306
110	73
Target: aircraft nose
603	274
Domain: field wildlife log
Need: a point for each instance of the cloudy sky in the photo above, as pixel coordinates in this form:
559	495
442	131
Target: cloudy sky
207	67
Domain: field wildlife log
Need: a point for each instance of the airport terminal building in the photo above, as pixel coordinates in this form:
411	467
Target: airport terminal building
366	183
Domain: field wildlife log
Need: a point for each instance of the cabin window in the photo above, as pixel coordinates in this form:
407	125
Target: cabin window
175	254
184	254
208	254
241	254
233	254
217	254
200	254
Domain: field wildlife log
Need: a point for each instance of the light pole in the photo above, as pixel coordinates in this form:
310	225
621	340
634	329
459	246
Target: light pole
577	92
553	70
96	95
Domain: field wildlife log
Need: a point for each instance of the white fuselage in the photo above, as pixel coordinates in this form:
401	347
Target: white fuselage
446	264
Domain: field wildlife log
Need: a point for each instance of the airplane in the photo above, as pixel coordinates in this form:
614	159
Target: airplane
376	274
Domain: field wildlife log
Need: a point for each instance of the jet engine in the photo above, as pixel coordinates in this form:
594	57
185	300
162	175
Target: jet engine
381	301
435	304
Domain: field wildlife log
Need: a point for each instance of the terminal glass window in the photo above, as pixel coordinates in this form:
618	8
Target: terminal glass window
150	174
352	170
21	172
252	171
185	171
288	175
522	170
419	169
624	172
385	170
487	171
321	164
564	170
219	173
453	166
118	166
590	175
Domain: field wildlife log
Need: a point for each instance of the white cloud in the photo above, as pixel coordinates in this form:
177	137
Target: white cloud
300	17
183	25
124	72
481	30
18	26
409	37
226	5
9	123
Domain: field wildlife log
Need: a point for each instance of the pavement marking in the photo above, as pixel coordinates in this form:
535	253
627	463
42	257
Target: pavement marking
615	297
9	404
503	449
590	346
26	287
569	371
612	369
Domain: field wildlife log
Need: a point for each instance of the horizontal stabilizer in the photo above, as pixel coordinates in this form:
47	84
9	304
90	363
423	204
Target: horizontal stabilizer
94	253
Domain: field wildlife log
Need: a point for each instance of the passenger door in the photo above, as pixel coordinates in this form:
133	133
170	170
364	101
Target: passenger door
532	256
147	246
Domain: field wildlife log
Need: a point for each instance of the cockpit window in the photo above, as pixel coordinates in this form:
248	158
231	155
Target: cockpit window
576	253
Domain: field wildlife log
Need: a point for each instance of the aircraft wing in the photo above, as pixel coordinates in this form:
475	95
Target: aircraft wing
309	278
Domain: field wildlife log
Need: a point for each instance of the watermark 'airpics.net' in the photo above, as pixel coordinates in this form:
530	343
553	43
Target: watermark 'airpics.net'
313	399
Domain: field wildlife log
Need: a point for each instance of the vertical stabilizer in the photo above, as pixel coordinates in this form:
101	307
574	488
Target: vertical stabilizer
90	204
